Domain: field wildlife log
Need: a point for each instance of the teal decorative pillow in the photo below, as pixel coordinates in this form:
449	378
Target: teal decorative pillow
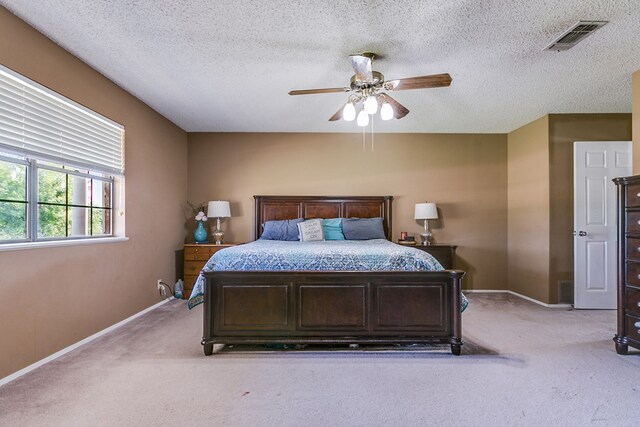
332	229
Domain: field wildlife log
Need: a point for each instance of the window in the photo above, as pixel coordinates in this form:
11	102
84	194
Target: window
60	165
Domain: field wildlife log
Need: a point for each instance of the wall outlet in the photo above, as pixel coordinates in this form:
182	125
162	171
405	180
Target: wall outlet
159	284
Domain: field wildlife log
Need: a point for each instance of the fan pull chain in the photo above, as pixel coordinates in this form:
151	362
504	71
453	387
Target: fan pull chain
372	134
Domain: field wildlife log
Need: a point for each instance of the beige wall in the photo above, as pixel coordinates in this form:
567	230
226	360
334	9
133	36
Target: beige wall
564	130
54	297
464	174
528	210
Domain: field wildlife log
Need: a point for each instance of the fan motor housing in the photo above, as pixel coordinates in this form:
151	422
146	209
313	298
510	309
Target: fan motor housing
377	80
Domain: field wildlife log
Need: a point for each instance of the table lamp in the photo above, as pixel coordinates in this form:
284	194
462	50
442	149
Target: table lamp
426	211
218	209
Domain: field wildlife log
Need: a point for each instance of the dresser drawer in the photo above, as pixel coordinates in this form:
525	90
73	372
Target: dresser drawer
633	301
633	274
196	254
633	248
633	328
633	222
633	195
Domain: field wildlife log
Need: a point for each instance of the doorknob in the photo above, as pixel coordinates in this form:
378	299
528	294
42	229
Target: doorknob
582	233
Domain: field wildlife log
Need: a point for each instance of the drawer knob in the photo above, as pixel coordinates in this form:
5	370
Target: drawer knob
638	195
638	249
638	276
639	222
637	325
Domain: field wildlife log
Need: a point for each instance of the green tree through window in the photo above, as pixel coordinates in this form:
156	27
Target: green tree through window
13	201
69	203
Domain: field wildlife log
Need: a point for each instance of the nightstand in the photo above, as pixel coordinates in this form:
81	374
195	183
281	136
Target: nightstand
196	256
445	254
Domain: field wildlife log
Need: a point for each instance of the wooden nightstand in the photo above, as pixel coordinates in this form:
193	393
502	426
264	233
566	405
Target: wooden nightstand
445	254
196	256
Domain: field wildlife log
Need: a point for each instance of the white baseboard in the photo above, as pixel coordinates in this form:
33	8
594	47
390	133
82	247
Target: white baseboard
485	291
66	350
500	291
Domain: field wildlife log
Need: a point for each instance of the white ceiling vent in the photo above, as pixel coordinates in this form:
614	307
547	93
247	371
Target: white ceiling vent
574	35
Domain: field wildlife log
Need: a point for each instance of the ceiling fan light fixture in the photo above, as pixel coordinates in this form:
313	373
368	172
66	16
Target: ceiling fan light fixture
371	105
386	111
349	112
363	118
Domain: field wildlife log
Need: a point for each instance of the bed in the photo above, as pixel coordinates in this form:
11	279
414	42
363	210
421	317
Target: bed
318	302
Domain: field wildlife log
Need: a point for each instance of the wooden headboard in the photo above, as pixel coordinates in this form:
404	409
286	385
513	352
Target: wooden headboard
269	208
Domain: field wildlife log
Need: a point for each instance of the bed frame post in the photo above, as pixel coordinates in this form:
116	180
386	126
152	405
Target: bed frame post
456	336
207	316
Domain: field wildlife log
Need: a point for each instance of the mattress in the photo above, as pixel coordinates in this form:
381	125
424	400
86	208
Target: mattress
334	255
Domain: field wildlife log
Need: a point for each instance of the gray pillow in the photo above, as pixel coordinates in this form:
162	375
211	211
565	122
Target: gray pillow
281	230
363	228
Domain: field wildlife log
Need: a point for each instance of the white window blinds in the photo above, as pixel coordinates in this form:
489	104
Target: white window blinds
37	122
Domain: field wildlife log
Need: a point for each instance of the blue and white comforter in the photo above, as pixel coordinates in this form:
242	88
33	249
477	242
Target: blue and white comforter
334	255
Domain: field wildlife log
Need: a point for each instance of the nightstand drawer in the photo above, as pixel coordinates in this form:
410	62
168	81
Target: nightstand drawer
633	248
193	267
195	254
633	328
633	195
633	301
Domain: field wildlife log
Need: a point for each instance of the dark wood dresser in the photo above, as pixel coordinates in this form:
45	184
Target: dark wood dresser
445	254
628	212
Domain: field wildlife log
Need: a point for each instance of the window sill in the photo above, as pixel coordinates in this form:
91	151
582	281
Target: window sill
58	243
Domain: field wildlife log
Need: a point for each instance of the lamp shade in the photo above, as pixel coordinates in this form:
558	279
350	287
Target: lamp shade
426	211
218	209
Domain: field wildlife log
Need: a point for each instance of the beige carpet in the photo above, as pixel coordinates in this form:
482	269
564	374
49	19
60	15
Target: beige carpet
522	365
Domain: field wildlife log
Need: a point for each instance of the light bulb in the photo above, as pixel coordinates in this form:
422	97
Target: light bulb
349	112
371	105
386	111
363	118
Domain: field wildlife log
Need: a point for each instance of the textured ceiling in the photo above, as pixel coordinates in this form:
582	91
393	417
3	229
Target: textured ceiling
227	65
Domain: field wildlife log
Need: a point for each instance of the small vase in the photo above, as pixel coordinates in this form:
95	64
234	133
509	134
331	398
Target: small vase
200	235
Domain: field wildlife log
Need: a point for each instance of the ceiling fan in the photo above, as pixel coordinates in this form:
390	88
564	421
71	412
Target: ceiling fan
369	88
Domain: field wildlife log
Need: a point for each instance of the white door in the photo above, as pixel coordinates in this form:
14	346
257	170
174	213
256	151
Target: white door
595	164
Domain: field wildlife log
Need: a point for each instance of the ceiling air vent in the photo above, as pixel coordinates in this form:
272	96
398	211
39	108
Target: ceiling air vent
574	35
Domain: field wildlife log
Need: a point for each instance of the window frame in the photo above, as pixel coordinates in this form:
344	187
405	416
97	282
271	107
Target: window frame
33	165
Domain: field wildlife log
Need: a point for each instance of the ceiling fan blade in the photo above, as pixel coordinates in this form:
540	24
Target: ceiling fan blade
362	66
399	110
422	82
326	90
338	114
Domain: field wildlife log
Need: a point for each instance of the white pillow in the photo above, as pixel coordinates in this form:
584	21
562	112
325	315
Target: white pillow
311	230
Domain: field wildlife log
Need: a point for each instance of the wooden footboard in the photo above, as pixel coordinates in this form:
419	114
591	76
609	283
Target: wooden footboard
332	307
